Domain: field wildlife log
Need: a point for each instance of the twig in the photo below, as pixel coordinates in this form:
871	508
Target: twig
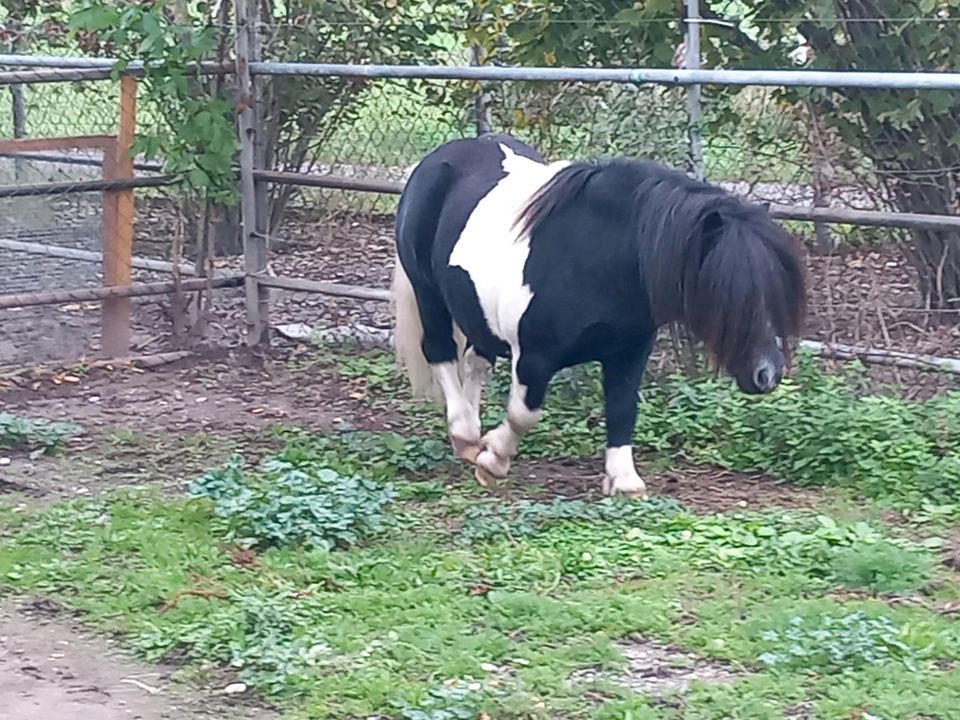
191	592
141	361
142	685
889	358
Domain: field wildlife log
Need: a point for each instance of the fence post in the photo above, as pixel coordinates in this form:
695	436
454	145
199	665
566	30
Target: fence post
17	98
252	205
481	103
117	231
694	107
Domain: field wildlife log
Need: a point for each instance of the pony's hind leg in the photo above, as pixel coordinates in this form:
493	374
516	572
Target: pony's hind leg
528	390
477	367
440	349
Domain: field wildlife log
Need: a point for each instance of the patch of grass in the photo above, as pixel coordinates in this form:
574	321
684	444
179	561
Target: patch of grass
34	436
442	602
494	521
882	567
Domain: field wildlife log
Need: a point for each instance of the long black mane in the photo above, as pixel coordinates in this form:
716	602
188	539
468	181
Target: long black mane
708	259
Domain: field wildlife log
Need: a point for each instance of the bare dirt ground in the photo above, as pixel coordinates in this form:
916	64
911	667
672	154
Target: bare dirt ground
51	669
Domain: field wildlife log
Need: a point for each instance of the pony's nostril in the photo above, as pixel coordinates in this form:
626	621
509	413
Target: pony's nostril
763	377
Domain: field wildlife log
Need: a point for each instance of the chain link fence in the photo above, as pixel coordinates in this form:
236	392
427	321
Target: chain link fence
776	145
74	207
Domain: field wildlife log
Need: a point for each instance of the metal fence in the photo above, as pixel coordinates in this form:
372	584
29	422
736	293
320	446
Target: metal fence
317	215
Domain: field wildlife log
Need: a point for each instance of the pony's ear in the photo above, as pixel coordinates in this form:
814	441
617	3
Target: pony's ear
765	205
711	230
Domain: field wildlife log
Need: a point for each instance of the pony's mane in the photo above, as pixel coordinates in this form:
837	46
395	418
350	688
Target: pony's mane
708	259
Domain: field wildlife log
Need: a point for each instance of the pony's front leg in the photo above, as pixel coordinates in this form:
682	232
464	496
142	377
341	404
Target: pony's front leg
621	382
499	446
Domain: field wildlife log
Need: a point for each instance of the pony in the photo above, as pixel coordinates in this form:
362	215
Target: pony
501	254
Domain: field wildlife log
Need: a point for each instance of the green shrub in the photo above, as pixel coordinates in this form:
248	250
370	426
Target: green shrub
291	502
35	436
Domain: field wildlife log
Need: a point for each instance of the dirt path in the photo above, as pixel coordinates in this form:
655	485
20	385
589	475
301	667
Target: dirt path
50	670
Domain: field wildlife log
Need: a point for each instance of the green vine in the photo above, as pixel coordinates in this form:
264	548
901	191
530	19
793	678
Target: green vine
195	138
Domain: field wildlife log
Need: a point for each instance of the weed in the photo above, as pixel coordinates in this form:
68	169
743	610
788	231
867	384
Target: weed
378	455
493	521
457	701
844	643
294	502
34	436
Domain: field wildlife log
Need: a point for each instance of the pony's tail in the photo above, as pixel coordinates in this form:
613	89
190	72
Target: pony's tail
408	338
408	335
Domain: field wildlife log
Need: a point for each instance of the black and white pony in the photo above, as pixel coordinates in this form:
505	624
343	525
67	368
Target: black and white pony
501	254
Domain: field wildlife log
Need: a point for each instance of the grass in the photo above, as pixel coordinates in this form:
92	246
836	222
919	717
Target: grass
419	599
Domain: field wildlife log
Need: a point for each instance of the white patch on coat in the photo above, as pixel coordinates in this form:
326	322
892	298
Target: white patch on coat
491	250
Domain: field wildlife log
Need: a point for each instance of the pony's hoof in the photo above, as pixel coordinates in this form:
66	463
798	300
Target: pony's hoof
484	478
465	450
632	487
493	465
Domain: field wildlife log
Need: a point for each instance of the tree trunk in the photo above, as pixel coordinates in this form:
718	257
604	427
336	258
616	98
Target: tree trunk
935	254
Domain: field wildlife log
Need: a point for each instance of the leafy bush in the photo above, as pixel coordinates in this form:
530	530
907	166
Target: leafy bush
292	501
36	436
844	643
883	567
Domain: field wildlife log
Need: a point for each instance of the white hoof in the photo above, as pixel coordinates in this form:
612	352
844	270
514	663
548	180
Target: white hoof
493	464
630	485
484	478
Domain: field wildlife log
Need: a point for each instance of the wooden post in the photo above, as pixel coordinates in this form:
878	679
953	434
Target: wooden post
252	199
118	224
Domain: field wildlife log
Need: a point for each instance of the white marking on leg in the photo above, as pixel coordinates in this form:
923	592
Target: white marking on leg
493	253
476	372
621	473
500	444
463	423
